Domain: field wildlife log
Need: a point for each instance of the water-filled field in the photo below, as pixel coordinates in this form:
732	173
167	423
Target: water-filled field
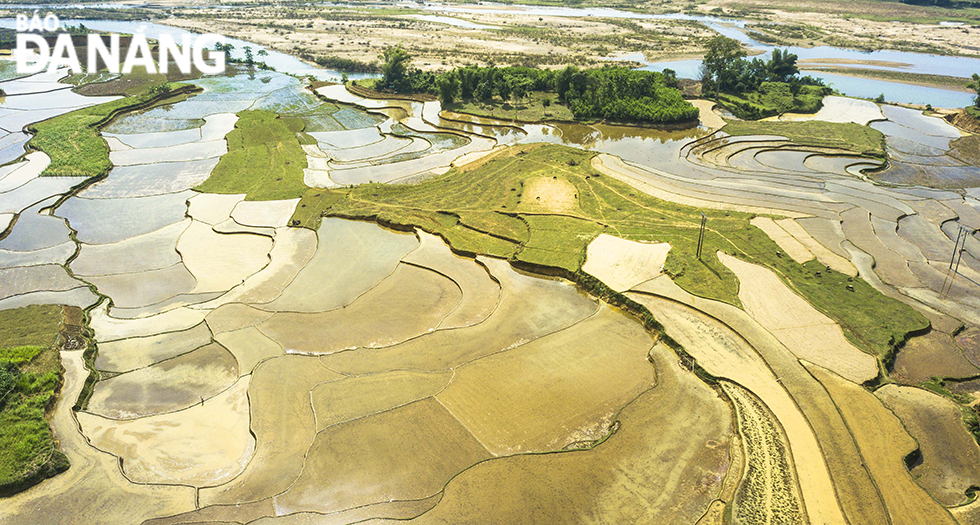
512	330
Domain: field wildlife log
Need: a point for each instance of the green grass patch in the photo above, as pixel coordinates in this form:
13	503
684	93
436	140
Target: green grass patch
536	107
265	159
480	210
29	377
774	98
19	354
862	140
73	142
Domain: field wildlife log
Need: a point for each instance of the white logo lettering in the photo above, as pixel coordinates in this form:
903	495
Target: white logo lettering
28	61
34	54
139	55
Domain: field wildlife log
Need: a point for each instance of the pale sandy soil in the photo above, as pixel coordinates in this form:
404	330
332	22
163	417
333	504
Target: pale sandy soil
832	20
708	117
787	242
548	195
622	264
808	333
511	39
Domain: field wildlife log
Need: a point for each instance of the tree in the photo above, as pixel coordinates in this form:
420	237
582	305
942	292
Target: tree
520	87
975	85
249	59
782	66
484	91
503	86
468	81
343	78
448	85
395	62
722	62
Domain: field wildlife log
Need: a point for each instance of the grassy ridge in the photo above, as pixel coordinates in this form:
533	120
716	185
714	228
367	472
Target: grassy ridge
73	142
854	137
482	210
265	158
30	373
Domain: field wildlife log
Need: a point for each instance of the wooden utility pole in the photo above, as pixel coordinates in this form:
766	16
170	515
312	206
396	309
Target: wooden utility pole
701	235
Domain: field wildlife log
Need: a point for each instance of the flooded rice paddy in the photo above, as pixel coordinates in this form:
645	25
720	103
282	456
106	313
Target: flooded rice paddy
255	372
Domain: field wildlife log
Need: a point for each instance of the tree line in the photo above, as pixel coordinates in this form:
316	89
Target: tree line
615	93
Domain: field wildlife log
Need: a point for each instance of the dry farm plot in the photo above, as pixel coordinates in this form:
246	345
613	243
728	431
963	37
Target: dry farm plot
950	462
555	391
723	353
787	242
935	354
625	479
622	264
856	492
808	333
884	445
822	253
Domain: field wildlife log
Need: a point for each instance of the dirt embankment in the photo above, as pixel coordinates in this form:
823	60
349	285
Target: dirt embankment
964	121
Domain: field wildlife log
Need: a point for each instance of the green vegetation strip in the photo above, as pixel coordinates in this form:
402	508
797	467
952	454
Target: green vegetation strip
30	373
852	137
73	142
265	158
614	93
493	209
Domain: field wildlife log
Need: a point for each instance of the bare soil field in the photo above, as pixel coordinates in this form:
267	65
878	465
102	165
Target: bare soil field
798	325
858	497
862	24
932	355
769	492
605	481
884	444
950	456
622	264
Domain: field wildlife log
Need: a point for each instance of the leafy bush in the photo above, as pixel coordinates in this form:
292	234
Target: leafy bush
18	354
775	98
